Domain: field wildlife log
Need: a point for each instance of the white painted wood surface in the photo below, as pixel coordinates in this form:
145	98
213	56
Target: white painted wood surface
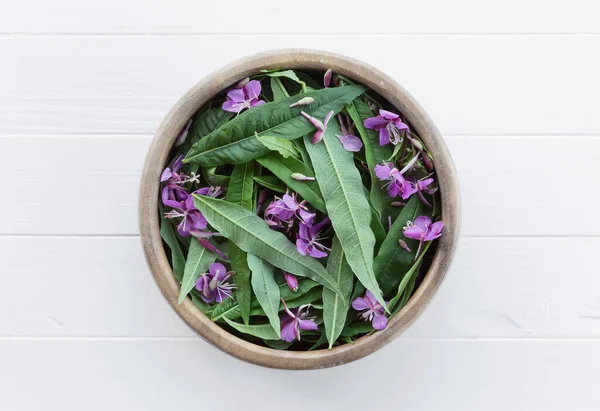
513	86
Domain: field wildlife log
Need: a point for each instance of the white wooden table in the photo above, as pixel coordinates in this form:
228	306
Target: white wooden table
514	88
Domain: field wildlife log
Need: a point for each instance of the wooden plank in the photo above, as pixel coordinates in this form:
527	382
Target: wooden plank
273	16
471	85
419	375
511	186
497	287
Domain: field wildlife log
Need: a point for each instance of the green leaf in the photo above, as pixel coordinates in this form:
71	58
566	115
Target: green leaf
374	153
378	230
205	122
285	73
283	168
198	261
168	234
393	261
265	289
253	235
235	142
278	345
404	291
346	204
264	331
359	327
322	340
335	306
240	192
284	147
214	179
278	89
271	182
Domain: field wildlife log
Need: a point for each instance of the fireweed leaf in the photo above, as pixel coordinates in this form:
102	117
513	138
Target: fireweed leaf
393	261
358	111
214	179
335	306
287	74
198	261
307	298
284	147
230	308
240	192
278	345
253	235
235	142
346	204
265	289
263	331
356	328
272	183
283	168
378	230
403	293
205	122
168	234
278	89
322	340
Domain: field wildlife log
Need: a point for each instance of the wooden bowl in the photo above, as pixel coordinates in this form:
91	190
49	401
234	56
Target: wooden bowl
224	78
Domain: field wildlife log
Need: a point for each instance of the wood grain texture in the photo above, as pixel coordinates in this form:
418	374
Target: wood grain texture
496	288
154	375
204	16
470	85
77	177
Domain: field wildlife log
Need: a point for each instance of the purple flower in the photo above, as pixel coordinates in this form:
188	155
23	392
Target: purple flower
213	285
349	141
282	211
291	281
371	310
320	126
173	193
191	218
396	183
389	125
292	321
422	186
242	98
423	230
308	239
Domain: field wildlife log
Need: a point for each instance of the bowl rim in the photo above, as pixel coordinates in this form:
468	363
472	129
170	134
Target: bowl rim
220	80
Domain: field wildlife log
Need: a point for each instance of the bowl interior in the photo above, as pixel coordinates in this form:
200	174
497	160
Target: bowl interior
204	91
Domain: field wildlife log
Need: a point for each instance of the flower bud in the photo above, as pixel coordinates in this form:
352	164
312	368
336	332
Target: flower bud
404	245
242	82
327	78
301	177
303	102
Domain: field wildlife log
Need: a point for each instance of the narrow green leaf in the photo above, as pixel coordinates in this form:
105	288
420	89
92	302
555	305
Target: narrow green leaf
253	235
359	327
240	192
284	147
283	168
264	331
265	289
214	179
278	345
177	258
378	230
393	261
279	91
288	74
272	183
198	261
235	142
346	204
335	306
205	122
358	111
322	340
407	279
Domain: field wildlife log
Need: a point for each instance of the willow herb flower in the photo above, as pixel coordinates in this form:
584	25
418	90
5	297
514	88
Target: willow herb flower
214	285
291	280
173	193
389	125
308	239
191	218
423	230
292	321
282	211
240	99
396	183
349	141
422	186
320	126
370	310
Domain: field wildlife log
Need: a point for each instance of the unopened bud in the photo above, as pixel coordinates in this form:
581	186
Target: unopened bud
327	78
404	245
242	82
303	102
301	177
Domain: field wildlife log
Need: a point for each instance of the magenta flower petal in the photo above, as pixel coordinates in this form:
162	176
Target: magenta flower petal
423	222
217	269
232	106
379	322
307	325
327	118
288	330
350	142
360	304
388	115
302	246
236	95
400	125
252	90
256	103
316	253
166	174
413	233
384	136
435	231
375	123
383	171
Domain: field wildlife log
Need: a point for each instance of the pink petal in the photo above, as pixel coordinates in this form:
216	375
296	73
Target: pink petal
379	322
383	171
327	78
318	136
301	246
401	126
384	136
316	253
370	298
256	103
315	122
236	95
423	222
166	174
360	304
413	232
375	123
435	231
214	267
327	118
232	106
307	217
350	142
308	325
252	89
288	330
388	115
